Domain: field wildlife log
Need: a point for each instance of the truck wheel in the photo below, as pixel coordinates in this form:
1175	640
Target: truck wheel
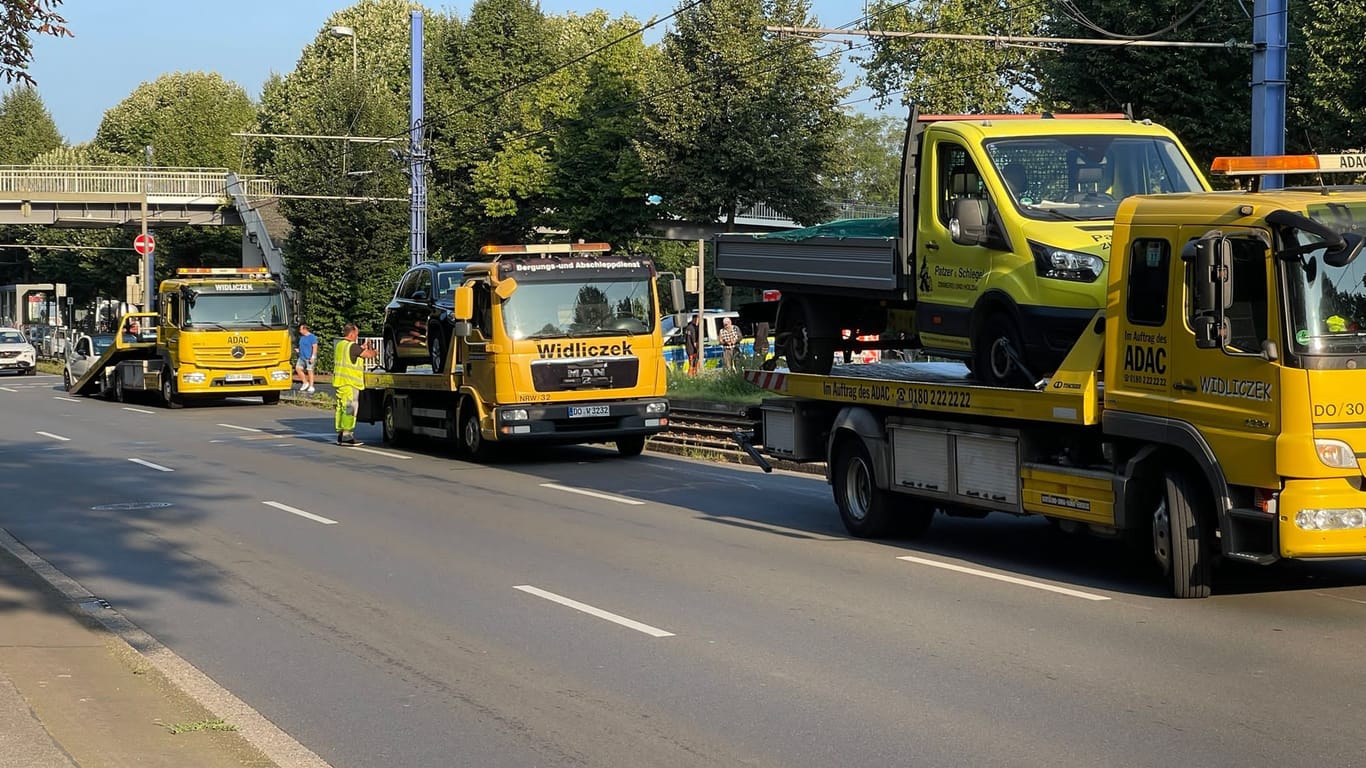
1180	543
631	446
472	441
270	398
389	428
168	390
808	346
864	509
120	394
390	355
436	349
992	365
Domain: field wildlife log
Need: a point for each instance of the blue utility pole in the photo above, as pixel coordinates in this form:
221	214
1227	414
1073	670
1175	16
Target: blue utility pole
417	165
1269	23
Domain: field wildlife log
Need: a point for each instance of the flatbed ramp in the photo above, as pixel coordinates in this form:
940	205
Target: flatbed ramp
946	388
120	350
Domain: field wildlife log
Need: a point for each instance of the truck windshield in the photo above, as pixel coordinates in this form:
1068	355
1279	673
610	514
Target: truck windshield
237	310
1328	304
603	308
1085	177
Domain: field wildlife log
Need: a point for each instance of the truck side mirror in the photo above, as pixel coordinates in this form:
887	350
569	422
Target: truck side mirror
464	303
680	300
505	288
461	328
969	223
1213	286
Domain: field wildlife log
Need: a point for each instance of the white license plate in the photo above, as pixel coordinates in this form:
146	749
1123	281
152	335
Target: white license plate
238	378
576	411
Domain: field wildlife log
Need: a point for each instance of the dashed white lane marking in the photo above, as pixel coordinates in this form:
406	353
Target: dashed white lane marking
137	410
244	429
594	494
54	437
1002	577
157	467
7	389
598	612
66	399
300	512
378	452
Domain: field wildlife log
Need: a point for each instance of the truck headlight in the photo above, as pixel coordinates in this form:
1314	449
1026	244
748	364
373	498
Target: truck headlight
1335	453
279	375
1330	519
515	414
1062	264
193	378
659	407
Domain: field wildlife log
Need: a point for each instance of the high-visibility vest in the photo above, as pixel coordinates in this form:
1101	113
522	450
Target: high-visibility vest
345	372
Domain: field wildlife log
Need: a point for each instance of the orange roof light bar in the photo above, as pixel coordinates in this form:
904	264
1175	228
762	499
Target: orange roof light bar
1043	116
1252	166
234	271
535	248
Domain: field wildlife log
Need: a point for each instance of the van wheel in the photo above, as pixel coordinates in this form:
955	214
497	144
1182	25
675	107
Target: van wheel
992	364
472	441
168	390
631	446
436	347
390	354
808	344
1180	541
864	509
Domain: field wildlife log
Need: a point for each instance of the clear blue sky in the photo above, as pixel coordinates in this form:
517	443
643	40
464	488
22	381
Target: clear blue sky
120	44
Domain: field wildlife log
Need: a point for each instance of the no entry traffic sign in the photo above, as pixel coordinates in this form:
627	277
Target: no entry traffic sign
144	244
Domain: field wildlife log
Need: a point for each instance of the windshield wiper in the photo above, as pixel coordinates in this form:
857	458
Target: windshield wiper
205	325
1060	214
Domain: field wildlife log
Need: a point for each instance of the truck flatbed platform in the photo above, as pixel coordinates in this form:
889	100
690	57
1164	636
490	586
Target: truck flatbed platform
120	350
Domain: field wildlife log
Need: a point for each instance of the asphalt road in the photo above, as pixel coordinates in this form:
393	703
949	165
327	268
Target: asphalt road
564	607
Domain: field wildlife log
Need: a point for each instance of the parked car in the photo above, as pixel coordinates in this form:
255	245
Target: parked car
423	300
83	354
16	353
675	351
55	343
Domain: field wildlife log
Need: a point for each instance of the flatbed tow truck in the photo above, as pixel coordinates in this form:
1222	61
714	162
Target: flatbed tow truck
1212	412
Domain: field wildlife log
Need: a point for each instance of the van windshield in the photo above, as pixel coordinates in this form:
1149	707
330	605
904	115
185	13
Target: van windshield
1085	177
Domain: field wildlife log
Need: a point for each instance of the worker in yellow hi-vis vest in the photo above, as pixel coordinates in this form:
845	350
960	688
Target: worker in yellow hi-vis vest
348	379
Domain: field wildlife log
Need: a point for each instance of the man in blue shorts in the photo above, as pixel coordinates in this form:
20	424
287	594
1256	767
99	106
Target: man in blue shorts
308	356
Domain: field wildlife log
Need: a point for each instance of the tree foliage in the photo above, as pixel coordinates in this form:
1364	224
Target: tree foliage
739	118
869	168
188	119
1328	76
19	20
26	127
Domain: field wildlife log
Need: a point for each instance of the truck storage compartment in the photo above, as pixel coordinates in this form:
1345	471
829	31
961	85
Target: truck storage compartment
794	429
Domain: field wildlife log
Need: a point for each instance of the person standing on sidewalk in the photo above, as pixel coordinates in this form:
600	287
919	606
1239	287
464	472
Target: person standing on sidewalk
348	379
691	343
308	357
729	336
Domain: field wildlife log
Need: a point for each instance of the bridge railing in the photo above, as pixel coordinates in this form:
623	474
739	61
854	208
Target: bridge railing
843	210
180	183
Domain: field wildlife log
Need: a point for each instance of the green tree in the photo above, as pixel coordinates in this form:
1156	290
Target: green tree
869	170
1199	93
19	20
26	127
950	76
187	118
740	118
1327	91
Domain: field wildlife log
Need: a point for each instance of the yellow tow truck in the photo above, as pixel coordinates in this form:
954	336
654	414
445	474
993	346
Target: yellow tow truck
1214	411
553	343
218	332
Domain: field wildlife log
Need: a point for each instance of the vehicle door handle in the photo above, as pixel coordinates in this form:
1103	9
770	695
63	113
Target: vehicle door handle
1185	386
931	245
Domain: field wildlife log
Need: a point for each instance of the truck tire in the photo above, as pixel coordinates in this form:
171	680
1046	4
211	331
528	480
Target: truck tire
631	445
120	394
270	398
169	396
809	344
865	510
1180	540
990	362
389	355
472	442
389	430
436	346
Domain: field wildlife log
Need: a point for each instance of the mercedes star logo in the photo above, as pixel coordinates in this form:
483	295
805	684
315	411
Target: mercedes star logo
238	353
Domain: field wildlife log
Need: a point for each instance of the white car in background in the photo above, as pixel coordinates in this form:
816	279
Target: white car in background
16	353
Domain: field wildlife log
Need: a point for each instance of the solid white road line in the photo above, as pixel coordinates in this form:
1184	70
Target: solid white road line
299	512
378	452
137	410
66	399
1002	577
7	389
244	429
594	494
591	611
157	467
54	437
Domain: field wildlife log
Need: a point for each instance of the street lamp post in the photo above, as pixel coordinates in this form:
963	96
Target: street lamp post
351	33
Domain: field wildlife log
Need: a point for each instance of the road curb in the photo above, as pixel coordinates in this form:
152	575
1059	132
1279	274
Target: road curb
279	747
